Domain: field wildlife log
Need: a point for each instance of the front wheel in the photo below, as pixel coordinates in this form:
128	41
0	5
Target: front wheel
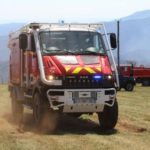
46	119
108	118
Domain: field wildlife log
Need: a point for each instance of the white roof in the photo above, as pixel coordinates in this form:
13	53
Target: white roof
70	27
57	27
64	26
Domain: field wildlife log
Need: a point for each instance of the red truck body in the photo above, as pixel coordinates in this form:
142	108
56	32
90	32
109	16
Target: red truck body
140	73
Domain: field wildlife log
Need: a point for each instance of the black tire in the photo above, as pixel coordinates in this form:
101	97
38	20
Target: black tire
129	86
108	118
17	108
46	119
37	108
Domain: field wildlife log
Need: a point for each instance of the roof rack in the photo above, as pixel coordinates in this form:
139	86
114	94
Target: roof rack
61	25
67	26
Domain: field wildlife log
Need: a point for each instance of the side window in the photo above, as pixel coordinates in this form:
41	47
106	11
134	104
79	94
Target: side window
33	43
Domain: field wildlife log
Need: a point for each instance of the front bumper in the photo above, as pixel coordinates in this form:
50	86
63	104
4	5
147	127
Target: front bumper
81	100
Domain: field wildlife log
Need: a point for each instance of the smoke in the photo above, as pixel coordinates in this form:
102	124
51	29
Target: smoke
134	40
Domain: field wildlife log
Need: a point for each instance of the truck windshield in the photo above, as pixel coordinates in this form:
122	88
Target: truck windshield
74	42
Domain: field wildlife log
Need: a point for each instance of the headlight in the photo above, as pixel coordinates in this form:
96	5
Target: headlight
50	77
55	80
109	77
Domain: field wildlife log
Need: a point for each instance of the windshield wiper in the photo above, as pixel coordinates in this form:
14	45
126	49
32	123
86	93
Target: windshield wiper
89	52
93	50
53	51
85	52
74	51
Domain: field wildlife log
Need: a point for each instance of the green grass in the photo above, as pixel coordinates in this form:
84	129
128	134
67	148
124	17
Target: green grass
132	131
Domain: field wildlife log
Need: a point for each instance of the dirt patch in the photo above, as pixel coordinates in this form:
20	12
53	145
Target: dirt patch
65	124
128	126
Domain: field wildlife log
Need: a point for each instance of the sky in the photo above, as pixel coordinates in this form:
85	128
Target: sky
68	10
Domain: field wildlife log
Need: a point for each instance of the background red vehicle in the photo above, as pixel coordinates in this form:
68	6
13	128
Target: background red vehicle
140	73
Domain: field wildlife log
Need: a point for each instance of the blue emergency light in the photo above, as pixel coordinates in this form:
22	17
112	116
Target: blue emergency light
97	77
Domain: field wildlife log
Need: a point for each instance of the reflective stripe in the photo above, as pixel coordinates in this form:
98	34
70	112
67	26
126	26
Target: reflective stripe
99	68
90	70
67	68
77	70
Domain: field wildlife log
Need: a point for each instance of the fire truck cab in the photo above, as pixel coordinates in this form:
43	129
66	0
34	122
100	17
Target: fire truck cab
64	68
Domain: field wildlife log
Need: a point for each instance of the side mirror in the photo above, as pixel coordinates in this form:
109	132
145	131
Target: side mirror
113	41
23	41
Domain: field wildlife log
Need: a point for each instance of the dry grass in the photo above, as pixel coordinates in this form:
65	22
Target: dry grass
132	131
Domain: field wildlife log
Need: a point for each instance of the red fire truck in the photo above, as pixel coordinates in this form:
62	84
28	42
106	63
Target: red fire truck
63	68
140	73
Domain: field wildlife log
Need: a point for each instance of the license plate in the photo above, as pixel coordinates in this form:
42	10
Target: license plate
84	94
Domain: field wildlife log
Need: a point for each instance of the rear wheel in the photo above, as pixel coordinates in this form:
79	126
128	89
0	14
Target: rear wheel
129	86
108	118
45	118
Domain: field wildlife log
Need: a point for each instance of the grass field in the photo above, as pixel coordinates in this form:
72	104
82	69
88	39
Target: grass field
132	131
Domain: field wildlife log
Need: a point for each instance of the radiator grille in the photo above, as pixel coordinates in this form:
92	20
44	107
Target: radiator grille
85	82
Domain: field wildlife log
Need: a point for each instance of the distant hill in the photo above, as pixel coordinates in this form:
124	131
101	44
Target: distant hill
5	29
138	15
4	51
135	40
134	37
4	72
